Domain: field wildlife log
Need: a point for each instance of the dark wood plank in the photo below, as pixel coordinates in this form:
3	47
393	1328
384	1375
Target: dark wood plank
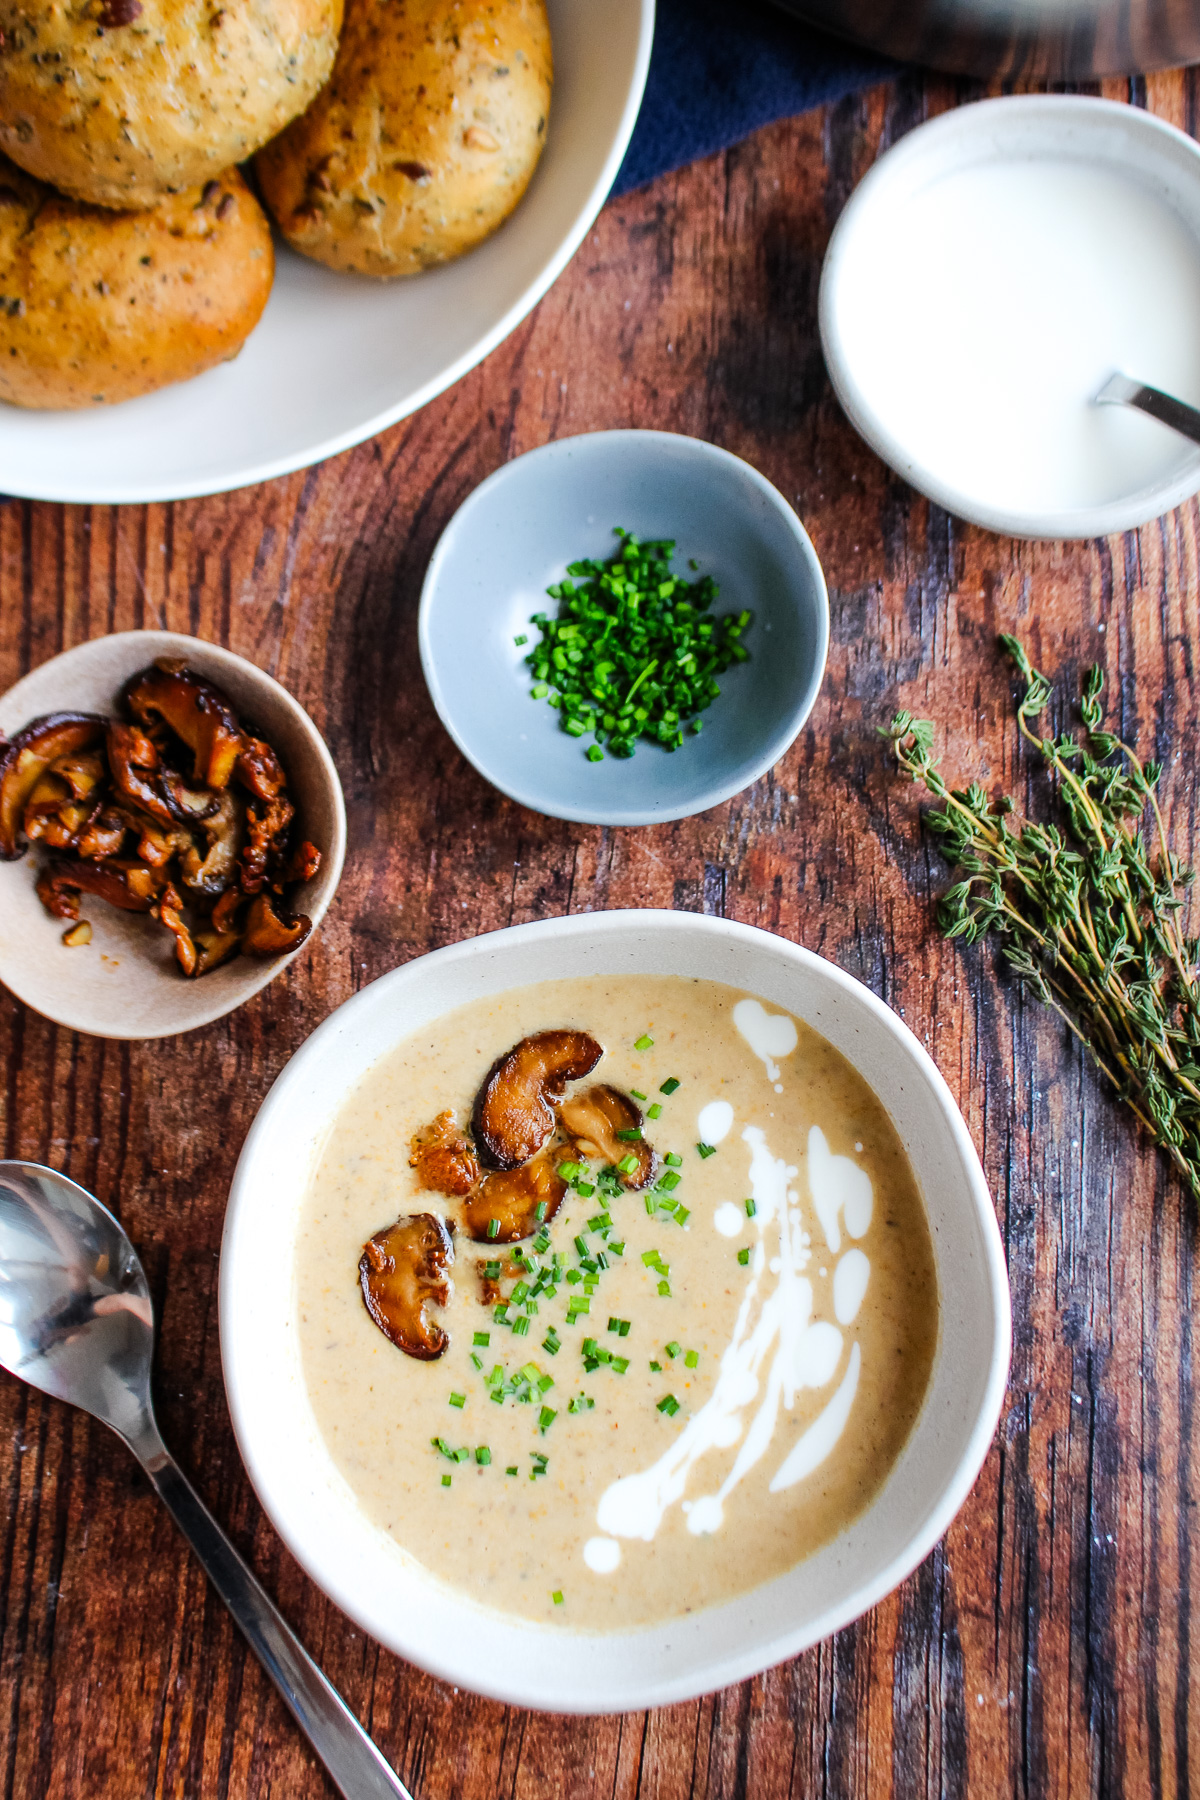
1046	1648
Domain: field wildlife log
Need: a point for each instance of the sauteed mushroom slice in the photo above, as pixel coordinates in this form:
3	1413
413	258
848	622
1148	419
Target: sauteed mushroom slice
258	769
443	1158
509	1201
103	835
514	1109
136	770
168	913
212	874
269	935
402	1272
196	712
64	797
596	1120
130	886
25	760
213	947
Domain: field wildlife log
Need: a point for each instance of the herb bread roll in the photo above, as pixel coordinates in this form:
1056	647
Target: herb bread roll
122	101
424	140
97	306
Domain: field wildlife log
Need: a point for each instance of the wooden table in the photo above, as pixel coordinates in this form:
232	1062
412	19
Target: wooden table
1046	1647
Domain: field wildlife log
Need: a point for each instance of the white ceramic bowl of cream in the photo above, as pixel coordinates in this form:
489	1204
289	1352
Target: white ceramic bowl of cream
988	275
379	1584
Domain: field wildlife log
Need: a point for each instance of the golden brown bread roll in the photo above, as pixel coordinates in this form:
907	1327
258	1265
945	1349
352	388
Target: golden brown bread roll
97	306
122	101
423	141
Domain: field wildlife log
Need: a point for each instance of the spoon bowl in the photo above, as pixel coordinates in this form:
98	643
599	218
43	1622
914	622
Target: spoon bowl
75	1314
77	1322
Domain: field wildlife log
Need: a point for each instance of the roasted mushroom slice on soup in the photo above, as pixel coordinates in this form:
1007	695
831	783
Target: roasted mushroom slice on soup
402	1272
607	1124
514	1109
26	759
511	1203
443	1158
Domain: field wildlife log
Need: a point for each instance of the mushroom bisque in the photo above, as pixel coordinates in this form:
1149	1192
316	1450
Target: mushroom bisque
424	140
657	1397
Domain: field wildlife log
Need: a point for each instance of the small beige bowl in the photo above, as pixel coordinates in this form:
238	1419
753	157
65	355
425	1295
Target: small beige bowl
126	983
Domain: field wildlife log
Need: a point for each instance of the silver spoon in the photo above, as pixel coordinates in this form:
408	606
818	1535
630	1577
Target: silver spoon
1119	390
76	1322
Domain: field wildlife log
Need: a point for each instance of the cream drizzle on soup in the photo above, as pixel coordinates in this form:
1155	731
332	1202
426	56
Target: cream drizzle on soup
757	1338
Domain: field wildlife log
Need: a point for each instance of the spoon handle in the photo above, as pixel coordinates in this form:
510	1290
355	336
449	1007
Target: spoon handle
1181	417
357	1767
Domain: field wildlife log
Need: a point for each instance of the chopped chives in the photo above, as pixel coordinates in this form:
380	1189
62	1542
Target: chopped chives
546	1418
669	1405
463	1454
520	1325
628	1164
673	1349
682	1214
654	1112
512	1469
669	1086
706	1150
645	1042
664	1288
556	1596
656	1368
585	1188
476	1363
493	1228
595	753
569	1170
651	1204
751	1209
445	1481
637	1095
617	1249
459	1400
743	1257
691	1359
672	1161
521	638
540	1210
482	1339
552	1343
483	1456
631	1136
620	1364
492	1271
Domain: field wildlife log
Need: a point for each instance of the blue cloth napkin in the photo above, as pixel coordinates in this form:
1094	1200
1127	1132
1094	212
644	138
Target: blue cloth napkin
721	68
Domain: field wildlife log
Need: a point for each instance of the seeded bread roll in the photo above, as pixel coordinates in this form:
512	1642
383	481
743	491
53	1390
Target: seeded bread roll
119	102
97	306
424	140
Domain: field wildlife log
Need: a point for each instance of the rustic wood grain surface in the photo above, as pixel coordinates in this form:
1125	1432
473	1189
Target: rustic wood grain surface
1047	1647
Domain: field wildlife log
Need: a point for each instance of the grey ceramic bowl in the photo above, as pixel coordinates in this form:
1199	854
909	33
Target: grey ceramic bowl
516	534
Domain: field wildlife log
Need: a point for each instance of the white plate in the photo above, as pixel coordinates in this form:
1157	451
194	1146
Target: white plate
365	1570
337	358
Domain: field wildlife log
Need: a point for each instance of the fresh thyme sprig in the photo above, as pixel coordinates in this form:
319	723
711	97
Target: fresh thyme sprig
1091	917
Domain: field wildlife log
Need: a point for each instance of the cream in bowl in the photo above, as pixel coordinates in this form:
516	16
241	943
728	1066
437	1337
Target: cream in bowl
756	1394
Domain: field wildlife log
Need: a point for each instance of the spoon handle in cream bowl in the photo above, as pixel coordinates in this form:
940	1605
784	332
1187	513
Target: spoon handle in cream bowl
357	1767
